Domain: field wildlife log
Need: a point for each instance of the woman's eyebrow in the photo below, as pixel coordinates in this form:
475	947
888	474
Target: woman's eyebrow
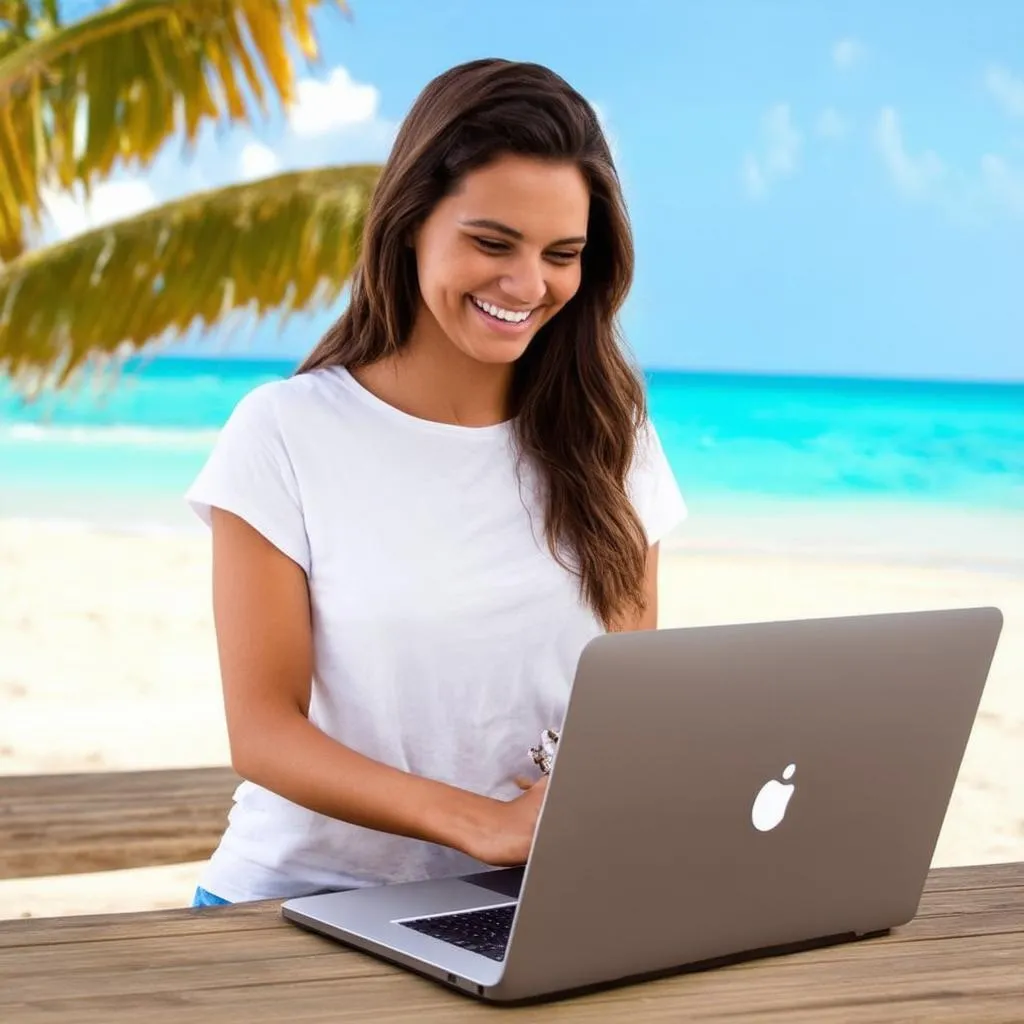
504	229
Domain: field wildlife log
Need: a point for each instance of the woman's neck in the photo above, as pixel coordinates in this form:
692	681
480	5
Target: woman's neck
433	380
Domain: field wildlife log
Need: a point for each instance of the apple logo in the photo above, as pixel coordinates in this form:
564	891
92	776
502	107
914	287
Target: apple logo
770	803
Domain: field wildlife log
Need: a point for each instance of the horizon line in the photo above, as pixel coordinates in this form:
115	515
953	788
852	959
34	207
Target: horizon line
877	377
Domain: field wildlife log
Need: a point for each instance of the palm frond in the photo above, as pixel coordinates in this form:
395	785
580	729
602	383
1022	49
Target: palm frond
20	20
112	88
287	243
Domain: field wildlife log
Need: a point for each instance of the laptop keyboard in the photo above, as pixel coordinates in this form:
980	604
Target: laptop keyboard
480	931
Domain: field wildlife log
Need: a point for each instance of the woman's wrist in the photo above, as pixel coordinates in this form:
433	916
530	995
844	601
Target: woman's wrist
459	819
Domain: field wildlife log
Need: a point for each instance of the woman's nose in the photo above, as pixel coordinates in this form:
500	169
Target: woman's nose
524	282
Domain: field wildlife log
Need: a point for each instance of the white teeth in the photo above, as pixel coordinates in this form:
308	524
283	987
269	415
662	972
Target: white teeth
501	314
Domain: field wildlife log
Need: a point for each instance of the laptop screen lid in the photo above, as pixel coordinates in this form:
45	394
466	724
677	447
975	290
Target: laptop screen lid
719	789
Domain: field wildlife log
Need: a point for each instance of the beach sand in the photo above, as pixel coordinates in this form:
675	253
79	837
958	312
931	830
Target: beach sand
108	661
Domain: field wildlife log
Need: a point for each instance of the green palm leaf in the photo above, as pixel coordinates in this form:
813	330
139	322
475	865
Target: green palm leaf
114	87
285	243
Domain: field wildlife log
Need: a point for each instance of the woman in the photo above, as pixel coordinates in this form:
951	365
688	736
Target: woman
416	534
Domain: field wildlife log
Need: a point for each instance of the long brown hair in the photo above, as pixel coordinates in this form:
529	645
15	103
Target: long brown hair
577	403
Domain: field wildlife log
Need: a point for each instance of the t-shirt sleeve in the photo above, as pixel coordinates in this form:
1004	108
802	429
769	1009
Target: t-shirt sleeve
653	488
249	473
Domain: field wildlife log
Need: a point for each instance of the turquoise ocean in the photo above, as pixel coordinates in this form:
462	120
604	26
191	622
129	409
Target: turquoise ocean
892	469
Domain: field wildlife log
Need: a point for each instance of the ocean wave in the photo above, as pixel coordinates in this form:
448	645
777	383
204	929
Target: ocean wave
119	436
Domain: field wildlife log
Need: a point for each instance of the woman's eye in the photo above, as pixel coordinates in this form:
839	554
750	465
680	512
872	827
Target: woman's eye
491	245
495	246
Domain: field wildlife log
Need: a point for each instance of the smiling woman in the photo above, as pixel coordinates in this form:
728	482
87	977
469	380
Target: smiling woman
417	533
501	191
490	286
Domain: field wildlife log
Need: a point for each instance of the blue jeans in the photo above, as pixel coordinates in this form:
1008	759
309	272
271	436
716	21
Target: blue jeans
203	898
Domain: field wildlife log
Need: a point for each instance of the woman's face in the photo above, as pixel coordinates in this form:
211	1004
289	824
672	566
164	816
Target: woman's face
501	256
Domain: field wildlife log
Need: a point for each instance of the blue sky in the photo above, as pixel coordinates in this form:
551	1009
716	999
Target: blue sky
815	187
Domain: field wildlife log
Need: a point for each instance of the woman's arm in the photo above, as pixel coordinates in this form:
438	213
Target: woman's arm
649	618
264	639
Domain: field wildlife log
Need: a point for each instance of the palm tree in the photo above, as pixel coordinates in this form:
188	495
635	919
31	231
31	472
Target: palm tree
79	101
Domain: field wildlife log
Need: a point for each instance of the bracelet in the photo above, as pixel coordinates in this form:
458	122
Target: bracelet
543	754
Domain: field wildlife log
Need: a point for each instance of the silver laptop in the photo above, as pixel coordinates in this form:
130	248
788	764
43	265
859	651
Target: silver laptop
719	792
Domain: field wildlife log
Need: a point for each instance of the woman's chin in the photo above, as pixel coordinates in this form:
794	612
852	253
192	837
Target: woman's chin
496	353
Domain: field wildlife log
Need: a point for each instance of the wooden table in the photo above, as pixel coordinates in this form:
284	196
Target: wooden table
961	959
106	821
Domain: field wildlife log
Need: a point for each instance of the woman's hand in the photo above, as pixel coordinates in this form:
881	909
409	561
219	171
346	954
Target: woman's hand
508	833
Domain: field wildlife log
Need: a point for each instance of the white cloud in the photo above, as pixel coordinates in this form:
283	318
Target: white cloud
609	135
257	161
778	154
847	53
753	178
993	189
915	176
335	120
782	140
333	105
70	214
1007	88
831	124
1004	183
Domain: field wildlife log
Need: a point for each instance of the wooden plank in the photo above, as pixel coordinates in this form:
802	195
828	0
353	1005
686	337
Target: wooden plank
961	959
172	924
102	821
974	876
955	893
981	976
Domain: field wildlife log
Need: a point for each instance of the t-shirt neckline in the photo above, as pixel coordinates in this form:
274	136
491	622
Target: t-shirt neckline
368	398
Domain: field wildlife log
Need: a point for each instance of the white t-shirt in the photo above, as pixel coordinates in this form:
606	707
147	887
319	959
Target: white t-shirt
445	634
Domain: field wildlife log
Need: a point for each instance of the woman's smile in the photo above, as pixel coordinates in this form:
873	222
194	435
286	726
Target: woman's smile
505	321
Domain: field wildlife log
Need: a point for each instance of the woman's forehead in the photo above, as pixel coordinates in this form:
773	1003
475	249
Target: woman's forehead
533	198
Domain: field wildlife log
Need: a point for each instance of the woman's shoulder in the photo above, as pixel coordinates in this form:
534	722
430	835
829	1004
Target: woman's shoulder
284	402
653	486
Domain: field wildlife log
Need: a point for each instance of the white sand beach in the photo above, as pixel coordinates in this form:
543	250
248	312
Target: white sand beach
108	661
